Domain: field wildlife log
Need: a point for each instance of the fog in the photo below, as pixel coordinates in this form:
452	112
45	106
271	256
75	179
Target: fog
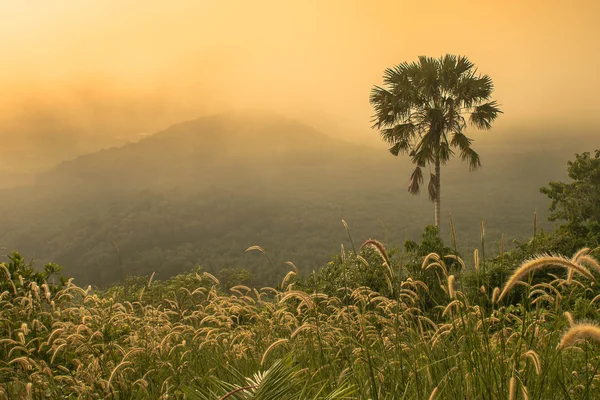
101	73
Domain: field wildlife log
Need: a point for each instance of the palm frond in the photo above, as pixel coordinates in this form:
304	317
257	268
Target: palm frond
389	108
461	141
431	188
429	76
484	114
463	65
403	146
444	152
416	179
399	132
471	90
448	72
471	157
279	382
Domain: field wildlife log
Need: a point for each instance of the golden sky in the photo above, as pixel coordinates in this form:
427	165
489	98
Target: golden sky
161	61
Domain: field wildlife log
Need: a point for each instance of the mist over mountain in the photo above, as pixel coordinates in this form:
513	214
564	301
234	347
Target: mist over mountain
200	192
243	144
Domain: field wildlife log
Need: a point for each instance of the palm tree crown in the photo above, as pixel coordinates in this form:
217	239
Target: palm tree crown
421	109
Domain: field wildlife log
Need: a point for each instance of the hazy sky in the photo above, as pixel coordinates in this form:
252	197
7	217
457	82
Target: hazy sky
106	65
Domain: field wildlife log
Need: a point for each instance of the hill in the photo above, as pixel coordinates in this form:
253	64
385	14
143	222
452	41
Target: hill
240	143
202	191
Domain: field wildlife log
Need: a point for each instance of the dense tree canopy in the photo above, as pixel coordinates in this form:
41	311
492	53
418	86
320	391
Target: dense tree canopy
578	202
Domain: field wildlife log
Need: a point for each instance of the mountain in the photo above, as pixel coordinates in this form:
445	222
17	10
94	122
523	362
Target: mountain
241	143
202	191
26	154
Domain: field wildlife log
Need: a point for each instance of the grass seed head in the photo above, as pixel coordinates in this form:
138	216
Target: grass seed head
580	332
539	263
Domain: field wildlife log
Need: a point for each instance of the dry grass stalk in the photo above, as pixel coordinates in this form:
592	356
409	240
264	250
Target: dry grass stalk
575	259
453	233
525	392
270	348
434	393
533	356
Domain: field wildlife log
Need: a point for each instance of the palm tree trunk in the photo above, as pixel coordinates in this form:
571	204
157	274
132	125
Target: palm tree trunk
437	193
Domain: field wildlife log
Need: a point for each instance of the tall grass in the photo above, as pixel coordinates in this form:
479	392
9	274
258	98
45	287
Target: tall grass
207	341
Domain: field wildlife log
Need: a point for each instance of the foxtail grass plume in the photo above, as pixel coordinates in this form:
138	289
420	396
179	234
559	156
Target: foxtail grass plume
569	318
349	236
287	278
580	332
377	245
451	280
258	248
539	263
150	280
495	294
575	259
291	264
589	261
211	277
512	388
362	260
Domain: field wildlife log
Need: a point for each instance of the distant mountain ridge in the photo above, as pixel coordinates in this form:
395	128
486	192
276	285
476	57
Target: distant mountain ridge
233	140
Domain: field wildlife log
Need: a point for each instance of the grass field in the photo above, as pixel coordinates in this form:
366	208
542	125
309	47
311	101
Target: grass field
441	332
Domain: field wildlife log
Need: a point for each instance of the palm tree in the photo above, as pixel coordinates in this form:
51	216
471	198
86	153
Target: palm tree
421	109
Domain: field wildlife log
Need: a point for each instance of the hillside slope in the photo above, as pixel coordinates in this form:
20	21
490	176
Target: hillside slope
201	192
209	147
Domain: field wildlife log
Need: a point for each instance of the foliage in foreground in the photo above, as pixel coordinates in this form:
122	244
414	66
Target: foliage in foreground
243	343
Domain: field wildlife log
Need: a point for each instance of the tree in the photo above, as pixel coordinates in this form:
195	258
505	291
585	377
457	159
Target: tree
578	202
420	111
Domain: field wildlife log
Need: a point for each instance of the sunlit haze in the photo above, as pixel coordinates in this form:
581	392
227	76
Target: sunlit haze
125	68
